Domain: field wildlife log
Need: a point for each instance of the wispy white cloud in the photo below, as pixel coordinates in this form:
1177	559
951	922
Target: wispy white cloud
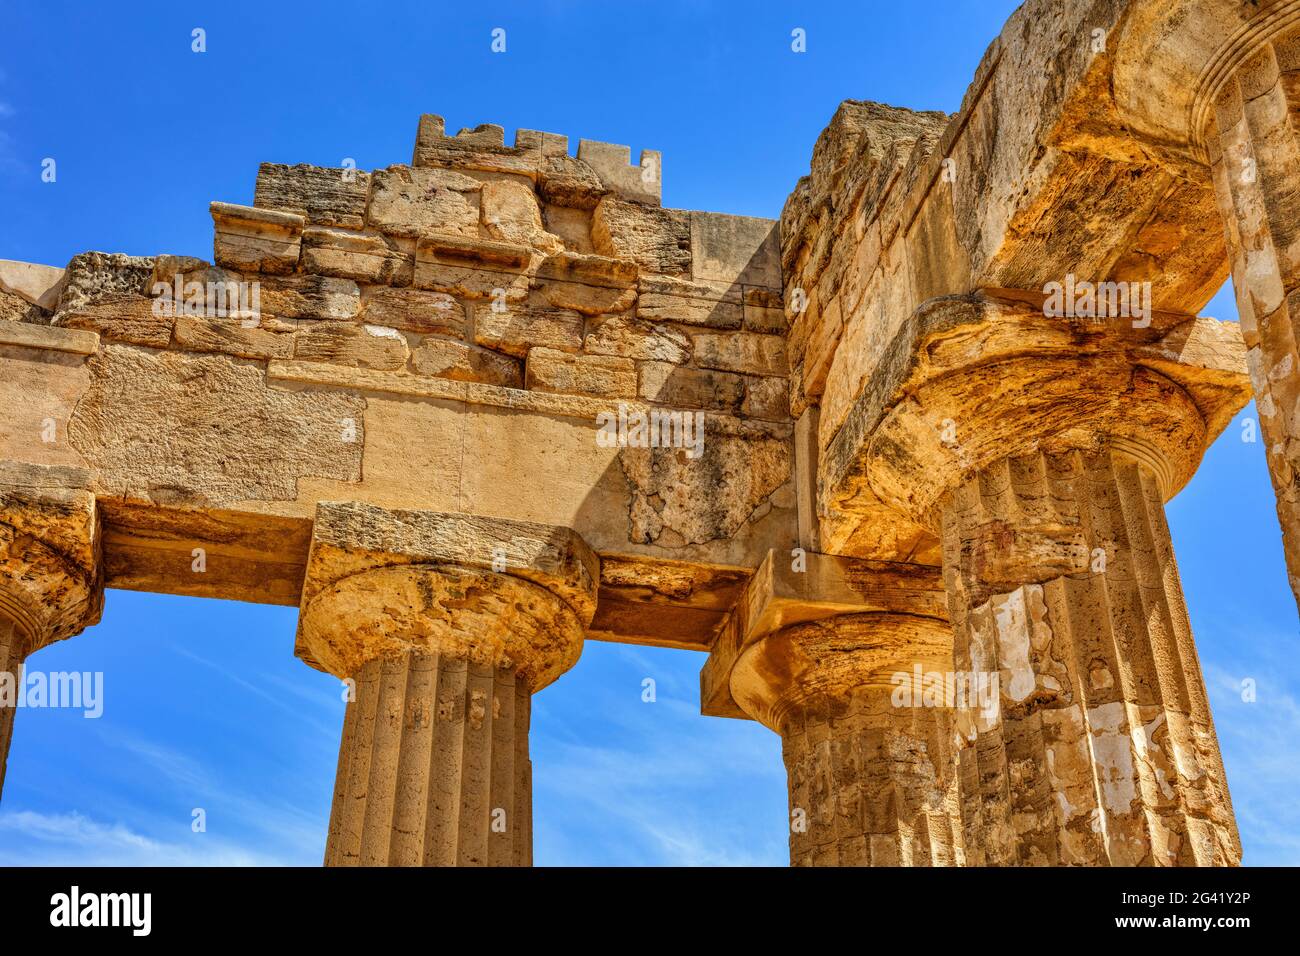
1260	740
74	839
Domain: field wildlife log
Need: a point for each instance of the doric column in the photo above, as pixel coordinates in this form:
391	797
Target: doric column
1041	450
12	651
50	575
446	625
1254	145
834	654
1062	583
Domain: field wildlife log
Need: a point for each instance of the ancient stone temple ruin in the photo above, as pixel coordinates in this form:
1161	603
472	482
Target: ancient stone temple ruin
894	466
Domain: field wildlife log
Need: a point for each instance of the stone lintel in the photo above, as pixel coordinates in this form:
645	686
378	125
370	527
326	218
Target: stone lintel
778	597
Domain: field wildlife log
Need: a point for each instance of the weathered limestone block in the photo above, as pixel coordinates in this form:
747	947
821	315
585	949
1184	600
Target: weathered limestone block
846	160
1255	142
741	352
310	297
669	384
641	183
267	338
93	277
599	169
360	256
472	268
414	310
589	300
407	201
14	308
257	441
51	579
567	182
690	311
133	319
509	212
249	239
589	284
722	474
515	329
346	343
631	338
657	240
764	312
767	398
469	282
38	285
595	270
465	363
735	249
483	148
445	653
325	197
572	226
605	376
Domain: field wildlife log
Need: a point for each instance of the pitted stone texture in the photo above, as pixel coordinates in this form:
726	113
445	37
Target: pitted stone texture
873	784
93	277
408	201
433	767
1103	751
678	499
325	197
873	779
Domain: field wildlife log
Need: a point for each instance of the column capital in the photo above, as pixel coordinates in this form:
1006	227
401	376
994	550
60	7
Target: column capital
51	578
970	380
798	616
382	582
822	666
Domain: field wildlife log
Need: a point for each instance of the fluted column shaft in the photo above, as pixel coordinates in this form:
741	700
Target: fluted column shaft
433	767
1255	147
876	784
1061	580
870	759
11	669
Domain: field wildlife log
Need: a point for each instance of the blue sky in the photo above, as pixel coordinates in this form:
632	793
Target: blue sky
205	705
